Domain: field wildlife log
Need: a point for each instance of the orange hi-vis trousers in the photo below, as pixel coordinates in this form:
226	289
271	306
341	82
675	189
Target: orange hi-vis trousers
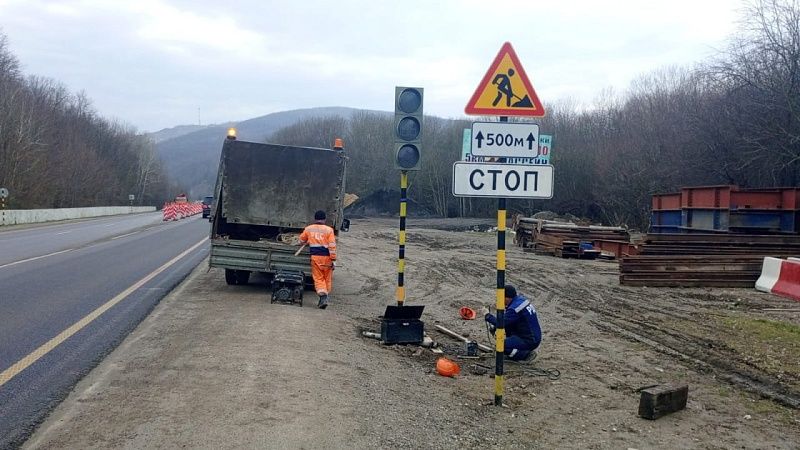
322	273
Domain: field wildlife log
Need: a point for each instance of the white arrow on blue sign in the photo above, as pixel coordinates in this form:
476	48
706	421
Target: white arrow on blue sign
513	140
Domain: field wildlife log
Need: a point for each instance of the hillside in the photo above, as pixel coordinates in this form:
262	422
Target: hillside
174	132
192	157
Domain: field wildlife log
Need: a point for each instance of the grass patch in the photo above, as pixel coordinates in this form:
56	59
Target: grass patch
772	345
766	329
768	409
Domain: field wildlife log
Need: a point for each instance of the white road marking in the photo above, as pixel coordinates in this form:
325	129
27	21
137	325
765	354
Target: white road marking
65	232
48	346
123	235
36	257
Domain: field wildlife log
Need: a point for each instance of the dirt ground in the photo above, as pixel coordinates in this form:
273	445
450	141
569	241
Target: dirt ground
219	366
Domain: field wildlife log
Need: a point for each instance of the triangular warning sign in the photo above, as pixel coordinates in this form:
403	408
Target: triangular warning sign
505	89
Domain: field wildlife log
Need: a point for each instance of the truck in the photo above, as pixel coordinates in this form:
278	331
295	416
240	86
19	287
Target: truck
265	194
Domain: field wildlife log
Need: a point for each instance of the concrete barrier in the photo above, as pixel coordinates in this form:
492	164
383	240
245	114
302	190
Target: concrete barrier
788	284
22	216
780	277
770	272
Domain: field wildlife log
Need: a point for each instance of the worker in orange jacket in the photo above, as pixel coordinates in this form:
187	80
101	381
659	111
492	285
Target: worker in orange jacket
321	241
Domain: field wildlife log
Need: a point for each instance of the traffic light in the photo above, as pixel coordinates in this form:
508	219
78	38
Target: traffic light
407	127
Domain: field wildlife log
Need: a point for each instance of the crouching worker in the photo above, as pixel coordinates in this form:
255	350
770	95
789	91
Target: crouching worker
321	242
523	333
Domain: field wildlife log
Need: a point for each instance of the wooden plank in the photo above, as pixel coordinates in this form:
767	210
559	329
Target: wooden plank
659	401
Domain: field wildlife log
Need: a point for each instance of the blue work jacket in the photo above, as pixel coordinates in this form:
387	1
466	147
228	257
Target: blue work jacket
521	321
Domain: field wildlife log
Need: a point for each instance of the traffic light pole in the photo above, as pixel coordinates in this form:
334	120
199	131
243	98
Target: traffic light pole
500	303
401	260
407	143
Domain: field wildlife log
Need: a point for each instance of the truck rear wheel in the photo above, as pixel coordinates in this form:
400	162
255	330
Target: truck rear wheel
230	277
242	276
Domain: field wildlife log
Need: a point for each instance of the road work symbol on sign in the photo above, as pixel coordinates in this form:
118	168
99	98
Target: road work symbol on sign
502	180
505	89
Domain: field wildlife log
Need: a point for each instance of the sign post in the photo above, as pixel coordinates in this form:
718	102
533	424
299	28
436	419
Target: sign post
500	302
400	294
504	91
3	195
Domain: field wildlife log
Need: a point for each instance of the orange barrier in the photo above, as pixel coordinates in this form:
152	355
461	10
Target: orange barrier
179	210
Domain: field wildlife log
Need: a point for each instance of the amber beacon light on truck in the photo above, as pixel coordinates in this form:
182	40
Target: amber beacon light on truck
231	133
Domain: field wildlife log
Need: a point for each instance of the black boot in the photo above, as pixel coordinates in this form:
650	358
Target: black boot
323	301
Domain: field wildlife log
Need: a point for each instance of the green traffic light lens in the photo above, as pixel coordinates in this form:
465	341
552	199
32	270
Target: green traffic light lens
408	156
409	101
408	128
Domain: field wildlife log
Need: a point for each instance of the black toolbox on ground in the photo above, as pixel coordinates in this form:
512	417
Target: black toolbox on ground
401	325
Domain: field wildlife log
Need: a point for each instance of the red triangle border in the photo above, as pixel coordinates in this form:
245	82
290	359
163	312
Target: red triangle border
538	111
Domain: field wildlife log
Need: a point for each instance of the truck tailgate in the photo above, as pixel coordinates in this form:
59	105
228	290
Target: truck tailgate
257	256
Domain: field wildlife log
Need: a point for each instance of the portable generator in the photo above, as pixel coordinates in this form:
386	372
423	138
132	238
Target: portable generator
287	287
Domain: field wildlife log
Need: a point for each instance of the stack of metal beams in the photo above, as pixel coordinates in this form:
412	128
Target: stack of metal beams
694	260
569	240
715	236
724	209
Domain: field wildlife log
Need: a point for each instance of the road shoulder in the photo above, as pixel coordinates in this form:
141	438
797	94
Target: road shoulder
216	366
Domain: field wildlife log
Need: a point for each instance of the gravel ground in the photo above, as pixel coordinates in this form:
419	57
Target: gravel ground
217	366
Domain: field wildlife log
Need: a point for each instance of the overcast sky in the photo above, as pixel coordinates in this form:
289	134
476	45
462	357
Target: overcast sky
154	63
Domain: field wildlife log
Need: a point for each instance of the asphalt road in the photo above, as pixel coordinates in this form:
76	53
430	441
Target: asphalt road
69	293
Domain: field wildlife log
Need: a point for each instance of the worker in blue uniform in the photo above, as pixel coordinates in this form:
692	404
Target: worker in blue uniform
523	333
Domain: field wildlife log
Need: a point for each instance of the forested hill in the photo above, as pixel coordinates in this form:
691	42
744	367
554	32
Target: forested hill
192	158
57	152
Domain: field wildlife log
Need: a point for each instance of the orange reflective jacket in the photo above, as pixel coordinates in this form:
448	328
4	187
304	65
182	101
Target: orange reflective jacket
320	239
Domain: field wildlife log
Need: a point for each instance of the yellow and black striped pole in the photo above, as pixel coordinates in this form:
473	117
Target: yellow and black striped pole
401	260
500	333
500	301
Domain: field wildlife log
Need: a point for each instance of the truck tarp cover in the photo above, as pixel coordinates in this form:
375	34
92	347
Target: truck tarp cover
268	184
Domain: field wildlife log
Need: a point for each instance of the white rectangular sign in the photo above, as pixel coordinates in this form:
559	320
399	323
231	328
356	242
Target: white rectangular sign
472	179
517	140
